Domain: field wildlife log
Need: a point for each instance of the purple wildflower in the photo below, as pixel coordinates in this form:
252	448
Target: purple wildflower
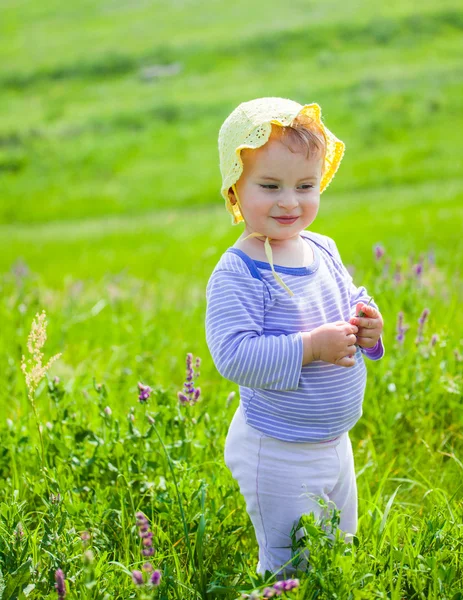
269	593
397	274
145	534
401	329
148	550
137	577
379	251
145	392
285	586
60	586
190	394
142	521
85	537
386	267
147	538
424	316
155	578
183	399
418	269
421	322
292	584
434	339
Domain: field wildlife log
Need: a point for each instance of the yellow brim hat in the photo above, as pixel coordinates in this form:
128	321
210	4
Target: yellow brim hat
250	126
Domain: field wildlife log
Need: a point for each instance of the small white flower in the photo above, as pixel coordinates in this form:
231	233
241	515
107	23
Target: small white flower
230	398
108	411
391	387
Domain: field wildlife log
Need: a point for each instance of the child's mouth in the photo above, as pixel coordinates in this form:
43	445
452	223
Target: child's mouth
286	220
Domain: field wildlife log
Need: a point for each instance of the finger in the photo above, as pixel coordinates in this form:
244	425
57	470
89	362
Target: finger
368	309
366	342
366	323
351	329
366	338
367	333
346	361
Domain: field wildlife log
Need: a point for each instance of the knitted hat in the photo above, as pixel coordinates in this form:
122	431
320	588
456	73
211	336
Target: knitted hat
250	126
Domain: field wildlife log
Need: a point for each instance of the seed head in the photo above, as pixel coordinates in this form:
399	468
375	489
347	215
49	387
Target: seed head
35	342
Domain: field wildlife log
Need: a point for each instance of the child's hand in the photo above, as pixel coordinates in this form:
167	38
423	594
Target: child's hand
334	343
370	326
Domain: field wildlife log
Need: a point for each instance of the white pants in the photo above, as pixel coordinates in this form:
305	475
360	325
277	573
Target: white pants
274	477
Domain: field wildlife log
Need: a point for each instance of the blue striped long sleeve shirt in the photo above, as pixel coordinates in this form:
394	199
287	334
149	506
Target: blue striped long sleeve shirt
253	331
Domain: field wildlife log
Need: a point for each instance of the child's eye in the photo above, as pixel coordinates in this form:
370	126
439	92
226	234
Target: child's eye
271	186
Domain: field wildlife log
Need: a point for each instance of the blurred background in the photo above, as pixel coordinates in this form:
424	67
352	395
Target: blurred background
110	202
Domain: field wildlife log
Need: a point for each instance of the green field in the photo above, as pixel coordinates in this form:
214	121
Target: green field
111	220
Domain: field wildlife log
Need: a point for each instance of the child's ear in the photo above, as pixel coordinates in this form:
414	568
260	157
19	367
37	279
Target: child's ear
231	195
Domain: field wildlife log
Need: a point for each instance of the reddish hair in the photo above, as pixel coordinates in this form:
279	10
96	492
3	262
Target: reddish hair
305	133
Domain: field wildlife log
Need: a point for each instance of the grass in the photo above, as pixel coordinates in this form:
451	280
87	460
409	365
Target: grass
111	220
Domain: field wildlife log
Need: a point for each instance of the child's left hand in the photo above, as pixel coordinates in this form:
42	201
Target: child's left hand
370	326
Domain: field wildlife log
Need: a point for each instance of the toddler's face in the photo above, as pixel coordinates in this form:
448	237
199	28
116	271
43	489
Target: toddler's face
277	182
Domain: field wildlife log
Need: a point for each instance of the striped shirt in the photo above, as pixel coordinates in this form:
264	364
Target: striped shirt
253	331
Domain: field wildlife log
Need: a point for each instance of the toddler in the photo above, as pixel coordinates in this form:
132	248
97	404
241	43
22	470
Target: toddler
281	322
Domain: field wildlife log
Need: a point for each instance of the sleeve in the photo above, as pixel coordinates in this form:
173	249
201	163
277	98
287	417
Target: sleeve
239	348
358	294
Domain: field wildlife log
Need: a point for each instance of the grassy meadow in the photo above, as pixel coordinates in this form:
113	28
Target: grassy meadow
111	221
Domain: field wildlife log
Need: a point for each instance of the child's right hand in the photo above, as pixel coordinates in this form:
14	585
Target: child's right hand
335	343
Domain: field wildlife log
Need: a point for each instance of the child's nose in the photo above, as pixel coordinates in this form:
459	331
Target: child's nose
288	201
